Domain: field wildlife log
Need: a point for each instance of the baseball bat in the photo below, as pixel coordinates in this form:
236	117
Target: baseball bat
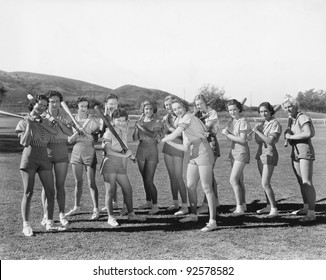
243	101
286	142
33	118
116	135
66	108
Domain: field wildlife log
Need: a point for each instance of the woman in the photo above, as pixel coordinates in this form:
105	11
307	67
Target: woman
84	155
236	132
299	136
173	159
200	166
148	130
58	151
34	136
267	134
210	118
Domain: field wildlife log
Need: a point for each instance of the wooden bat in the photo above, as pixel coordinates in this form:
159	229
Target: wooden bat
35	119
243	101
66	108
116	135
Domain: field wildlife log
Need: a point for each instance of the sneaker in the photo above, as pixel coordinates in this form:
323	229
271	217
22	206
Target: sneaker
146	205
245	209
264	210
203	209
112	222
124	211
50	226
172	208
272	214
64	222
44	220
209	227
153	210
182	211
237	214
27	231
134	217
73	211
95	215
308	219
190	218
301	211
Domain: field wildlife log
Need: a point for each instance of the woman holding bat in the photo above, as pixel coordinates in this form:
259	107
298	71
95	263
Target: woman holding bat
35	136
299	136
58	151
210	118
173	159
236	132
148	130
267	134
200	166
84	155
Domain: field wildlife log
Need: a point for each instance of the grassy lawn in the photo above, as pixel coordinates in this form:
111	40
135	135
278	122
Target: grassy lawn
161	236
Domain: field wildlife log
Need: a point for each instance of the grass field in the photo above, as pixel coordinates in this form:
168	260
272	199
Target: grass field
161	236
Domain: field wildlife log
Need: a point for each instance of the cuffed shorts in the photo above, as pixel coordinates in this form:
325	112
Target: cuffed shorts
302	151
58	152
83	154
112	164
35	158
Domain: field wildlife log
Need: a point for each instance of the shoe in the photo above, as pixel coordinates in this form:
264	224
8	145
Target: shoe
308	219
190	218
104	209
44	220
64	222
301	211
153	210
134	217
182	211
124	211
209	227
272	214
27	231
95	215
112	222
172	207
73	211
50	226
203	209
237	214
264	210
146	205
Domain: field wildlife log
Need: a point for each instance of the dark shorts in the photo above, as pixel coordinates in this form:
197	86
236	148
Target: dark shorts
171	151
147	151
83	154
58	152
35	158
112	164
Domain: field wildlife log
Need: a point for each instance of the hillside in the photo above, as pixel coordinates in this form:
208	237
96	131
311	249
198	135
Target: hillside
18	84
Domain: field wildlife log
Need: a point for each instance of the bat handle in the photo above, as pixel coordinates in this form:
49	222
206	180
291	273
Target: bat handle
286	143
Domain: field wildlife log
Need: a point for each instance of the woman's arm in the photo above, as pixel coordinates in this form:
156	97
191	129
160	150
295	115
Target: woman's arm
261	136
177	132
66	129
242	139
305	134
148	132
25	136
108	150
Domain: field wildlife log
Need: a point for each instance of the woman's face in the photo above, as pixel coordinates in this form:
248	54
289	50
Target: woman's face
120	122
83	107
148	110
265	113
40	106
200	105
178	109
290	109
54	102
111	104
168	105
234	111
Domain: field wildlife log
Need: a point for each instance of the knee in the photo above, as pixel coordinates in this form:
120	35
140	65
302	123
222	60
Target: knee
192	187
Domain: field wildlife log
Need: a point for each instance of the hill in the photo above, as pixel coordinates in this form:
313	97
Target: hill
18	84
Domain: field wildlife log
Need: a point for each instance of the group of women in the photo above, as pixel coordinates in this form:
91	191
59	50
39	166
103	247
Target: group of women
46	131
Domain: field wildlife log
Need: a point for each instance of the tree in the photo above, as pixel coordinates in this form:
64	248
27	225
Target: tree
2	94
214	96
312	100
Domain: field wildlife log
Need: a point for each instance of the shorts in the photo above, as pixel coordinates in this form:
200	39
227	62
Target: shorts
268	155
35	158
83	154
303	151
58	152
147	151
240	153
171	151
112	164
201	153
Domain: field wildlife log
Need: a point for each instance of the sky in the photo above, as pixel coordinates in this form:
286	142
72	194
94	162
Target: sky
259	49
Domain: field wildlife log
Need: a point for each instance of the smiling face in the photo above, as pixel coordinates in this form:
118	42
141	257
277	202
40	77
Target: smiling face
200	105
178	109
83	107
148	110
54	103
121	122
290	109
265	113
168	105
234	111
111	104
40	106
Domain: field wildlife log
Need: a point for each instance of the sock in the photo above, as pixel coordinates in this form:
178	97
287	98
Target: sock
244	205
212	221
154	206
305	206
239	208
311	213
176	203
95	210
184	205
26	224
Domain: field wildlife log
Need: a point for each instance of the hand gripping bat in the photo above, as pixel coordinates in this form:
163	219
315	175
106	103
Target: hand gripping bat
116	135
66	108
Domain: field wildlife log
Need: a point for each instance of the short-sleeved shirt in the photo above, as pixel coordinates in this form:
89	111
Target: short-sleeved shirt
90	126
194	129
115	145
153	125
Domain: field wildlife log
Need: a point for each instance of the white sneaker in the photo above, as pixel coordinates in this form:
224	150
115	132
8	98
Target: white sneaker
264	210
50	226
272	214
95	215
153	210
190	218
146	205
172	207
182	211
104	209
237	214
203	209
112	222
44	220
27	230
64	222
209	227
73	211
301	211
244	208
134	217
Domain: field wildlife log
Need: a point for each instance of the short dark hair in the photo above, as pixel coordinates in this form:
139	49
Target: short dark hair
118	113
82	99
234	102
110	96
36	99
51	93
268	106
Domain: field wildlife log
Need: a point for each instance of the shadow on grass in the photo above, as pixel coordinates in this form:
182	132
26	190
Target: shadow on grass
9	143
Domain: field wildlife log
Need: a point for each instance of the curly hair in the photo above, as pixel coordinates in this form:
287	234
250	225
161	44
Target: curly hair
118	113
51	93
36	99
291	100
268	106
167	98
234	102
83	99
148	102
